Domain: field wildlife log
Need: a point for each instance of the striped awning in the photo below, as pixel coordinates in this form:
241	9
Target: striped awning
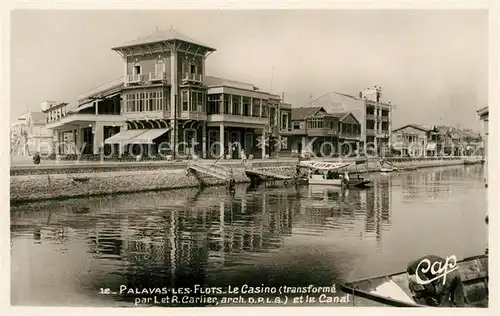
124	137
85	106
148	136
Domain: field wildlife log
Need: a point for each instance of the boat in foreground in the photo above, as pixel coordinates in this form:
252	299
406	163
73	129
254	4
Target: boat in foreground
397	291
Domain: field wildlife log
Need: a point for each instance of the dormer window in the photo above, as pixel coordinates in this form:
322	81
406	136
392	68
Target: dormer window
193	68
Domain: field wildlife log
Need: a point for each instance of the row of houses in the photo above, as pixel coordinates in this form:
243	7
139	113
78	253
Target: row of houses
165	102
419	140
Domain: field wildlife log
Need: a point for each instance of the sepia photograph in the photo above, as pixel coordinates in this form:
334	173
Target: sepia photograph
213	158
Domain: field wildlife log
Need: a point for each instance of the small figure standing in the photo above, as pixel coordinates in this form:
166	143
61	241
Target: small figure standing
243	156
297	170
231	182
36	158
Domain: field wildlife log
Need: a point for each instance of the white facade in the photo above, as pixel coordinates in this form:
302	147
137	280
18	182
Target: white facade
410	140
358	106
29	135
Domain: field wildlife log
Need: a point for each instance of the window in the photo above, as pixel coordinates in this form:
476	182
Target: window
137	69
315	123
193	68
256	107
214	102
227	104
194	101
200	105
236	105
159	66
141	102
265	108
144	101
246	106
185	101
248	140
153	104
162	104
284	120
296	125
272	116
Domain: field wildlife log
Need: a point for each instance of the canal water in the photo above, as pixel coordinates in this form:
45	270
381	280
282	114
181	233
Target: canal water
64	252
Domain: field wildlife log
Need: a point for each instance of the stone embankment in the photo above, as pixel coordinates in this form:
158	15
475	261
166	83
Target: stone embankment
32	183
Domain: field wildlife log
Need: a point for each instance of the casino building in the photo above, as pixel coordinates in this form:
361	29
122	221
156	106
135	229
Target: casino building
165	100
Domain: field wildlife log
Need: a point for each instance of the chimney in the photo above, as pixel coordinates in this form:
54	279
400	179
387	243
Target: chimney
361	94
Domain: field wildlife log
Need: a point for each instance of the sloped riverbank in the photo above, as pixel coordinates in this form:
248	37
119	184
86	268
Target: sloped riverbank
60	182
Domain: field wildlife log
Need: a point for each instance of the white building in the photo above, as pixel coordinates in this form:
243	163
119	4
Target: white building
29	135
372	112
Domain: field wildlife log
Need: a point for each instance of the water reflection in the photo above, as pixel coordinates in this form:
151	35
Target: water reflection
277	235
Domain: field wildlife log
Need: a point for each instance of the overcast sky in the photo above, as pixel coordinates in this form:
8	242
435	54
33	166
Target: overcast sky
432	64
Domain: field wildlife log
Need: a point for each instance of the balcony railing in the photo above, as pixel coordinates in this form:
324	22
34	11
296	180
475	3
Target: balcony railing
157	76
349	135
134	78
370	117
190	77
370	132
290	131
385	119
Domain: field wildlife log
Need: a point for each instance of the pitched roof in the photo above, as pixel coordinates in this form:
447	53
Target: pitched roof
37	117
104	89
343	115
162	36
302	113
33	117
416	126
340	115
442	129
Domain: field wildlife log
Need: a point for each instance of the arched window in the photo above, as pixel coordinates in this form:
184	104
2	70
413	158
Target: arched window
137	67
160	65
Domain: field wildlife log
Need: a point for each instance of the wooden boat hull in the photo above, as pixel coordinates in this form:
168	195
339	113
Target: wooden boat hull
359	183
395	290
386	169
409	168
353	183
471	162
331	182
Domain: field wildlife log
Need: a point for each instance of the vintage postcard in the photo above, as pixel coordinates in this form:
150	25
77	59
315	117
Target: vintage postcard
259	157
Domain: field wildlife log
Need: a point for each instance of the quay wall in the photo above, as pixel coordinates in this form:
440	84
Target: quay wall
71	181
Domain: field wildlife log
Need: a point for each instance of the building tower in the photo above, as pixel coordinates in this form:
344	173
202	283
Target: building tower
164	88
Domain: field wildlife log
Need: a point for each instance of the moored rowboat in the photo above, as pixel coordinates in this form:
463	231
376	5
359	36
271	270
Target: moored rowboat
329	173
395	290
